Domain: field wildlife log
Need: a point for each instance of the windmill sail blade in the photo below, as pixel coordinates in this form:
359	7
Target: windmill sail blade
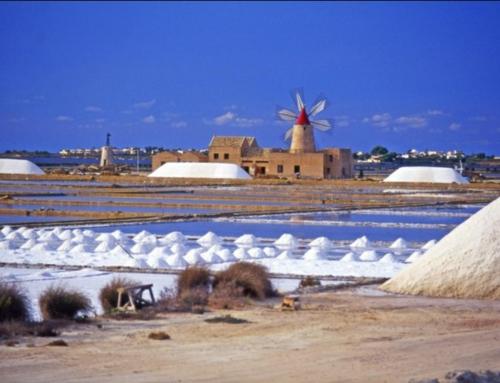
288	134
300	102
322	125
286	114
318	107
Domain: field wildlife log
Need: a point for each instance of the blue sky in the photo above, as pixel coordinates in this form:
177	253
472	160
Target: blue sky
404	75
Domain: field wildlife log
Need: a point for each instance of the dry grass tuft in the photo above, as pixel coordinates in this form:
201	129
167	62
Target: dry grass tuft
58	302
109	296
14	303
249	279
309	281
193	278
159	335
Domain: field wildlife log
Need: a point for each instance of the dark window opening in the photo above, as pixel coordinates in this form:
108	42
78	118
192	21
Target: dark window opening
216	156
280	168
296	169
247	169
328	171
226	156
330	157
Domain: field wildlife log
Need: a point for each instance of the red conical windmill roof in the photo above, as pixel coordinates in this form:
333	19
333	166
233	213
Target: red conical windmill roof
302	118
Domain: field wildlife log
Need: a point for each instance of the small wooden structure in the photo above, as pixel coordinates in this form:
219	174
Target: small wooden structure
290	302
135	297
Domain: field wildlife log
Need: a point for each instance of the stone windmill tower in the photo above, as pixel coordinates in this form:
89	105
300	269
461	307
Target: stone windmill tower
106	153
302	132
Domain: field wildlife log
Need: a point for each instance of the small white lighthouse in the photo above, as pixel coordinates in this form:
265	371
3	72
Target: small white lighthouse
106	153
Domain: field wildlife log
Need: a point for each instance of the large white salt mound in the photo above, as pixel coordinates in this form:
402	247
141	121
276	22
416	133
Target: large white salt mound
7	245
193	257
369	255
178	248
361	243
321	243
226	255
387	258
209	239
246	240
6	230
426	174
28	244
463	264
286	242
286	254
349	257
399	243
241	253
160	251
256	252
270	252
200	170
14	166
174	237
314	254
176	261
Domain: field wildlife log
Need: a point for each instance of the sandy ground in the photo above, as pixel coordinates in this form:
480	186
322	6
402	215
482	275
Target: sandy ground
346	336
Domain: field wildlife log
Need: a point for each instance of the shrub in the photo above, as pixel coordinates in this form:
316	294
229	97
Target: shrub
193	300
227	296
247	278
193	277
58	302
14	303
109	296
309	281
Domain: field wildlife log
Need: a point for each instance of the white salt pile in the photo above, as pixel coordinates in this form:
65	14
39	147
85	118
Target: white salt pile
314	254
176	261
209	239
286	254
178	248
193	257
14	166
256	252
286	242
369	255
349	257
246	240
200	170
387	258
417	254
174	237
241	253
270	252
361	243
321	243
463	264
226	255
426	174
399	243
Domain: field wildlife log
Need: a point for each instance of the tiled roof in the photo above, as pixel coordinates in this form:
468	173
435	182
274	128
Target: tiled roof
232	141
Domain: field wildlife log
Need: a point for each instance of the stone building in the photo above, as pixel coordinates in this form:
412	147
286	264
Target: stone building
302	160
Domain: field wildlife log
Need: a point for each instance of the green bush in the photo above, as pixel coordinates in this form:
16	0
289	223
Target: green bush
58	302
14	303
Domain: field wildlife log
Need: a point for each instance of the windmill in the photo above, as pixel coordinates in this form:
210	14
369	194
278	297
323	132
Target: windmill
302	133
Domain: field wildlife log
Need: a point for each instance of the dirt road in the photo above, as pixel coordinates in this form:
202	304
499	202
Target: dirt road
337	337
